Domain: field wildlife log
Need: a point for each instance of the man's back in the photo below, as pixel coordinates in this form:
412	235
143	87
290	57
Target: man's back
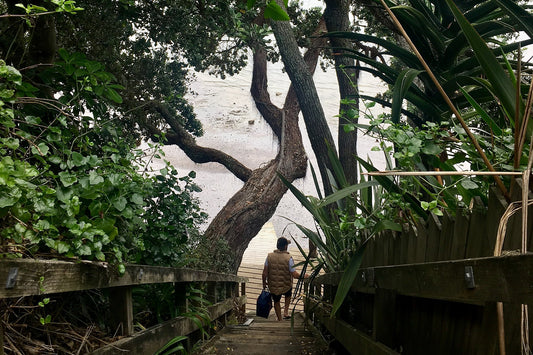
279	276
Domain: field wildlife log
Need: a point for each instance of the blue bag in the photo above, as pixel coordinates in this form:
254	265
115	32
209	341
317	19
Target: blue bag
264	304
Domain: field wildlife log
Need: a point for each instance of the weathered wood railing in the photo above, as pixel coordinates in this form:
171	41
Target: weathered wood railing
385	307
433	288
27	277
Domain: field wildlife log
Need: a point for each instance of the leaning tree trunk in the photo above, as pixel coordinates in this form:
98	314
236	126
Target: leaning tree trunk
304	86
255	203
337	18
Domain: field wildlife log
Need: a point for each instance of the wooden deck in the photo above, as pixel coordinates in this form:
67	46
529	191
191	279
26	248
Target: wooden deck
267	336
253	261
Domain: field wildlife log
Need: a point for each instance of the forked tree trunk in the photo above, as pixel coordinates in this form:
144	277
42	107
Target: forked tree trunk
255	203
304	86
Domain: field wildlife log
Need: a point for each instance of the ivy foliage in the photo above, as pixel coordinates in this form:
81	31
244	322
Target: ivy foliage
73	182
173	221
70	184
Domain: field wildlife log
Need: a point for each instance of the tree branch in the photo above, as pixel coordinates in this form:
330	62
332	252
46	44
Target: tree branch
187	143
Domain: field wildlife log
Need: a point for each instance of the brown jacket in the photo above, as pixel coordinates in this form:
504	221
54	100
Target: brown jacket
279	276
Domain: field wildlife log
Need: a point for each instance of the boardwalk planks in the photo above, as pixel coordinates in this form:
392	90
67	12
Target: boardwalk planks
267	336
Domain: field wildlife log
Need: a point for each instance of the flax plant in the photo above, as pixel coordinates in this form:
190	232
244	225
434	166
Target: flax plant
340	236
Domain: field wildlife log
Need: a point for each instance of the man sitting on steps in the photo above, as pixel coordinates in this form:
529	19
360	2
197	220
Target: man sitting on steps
277	275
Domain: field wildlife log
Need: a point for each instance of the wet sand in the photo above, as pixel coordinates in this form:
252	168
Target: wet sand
232	124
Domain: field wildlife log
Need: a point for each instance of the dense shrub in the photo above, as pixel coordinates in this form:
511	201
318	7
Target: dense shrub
72	182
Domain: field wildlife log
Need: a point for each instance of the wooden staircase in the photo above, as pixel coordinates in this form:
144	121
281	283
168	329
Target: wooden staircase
268	336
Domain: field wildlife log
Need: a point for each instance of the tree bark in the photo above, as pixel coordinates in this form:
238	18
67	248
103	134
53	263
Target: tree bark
304	87
255	203
337	18
183	139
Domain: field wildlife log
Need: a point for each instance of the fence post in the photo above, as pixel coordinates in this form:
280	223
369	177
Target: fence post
212	294
384	317
243	288
235	289
328	293
180	295
487	342
1	339
121	304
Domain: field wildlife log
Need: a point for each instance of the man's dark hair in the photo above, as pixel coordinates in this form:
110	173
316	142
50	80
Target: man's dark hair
282	243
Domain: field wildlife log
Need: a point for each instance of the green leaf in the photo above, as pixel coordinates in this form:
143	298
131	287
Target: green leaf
54	159
431	148
387	225
114	178
10	73
67	179
94	178
84	249
6	94
64	195
9	200
502	84
137	199
401	87
99	255
275	12
127	213
62	247
121	269
78	159
347	128
113	95
42	225
346	192
348	278
40	149
120	203
469	184
63	54
484	115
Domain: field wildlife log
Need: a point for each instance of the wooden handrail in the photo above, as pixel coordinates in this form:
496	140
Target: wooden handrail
21	277
443	291
496	279
29	277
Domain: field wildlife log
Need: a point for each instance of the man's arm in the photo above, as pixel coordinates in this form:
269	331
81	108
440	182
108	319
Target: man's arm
296	274
293	271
